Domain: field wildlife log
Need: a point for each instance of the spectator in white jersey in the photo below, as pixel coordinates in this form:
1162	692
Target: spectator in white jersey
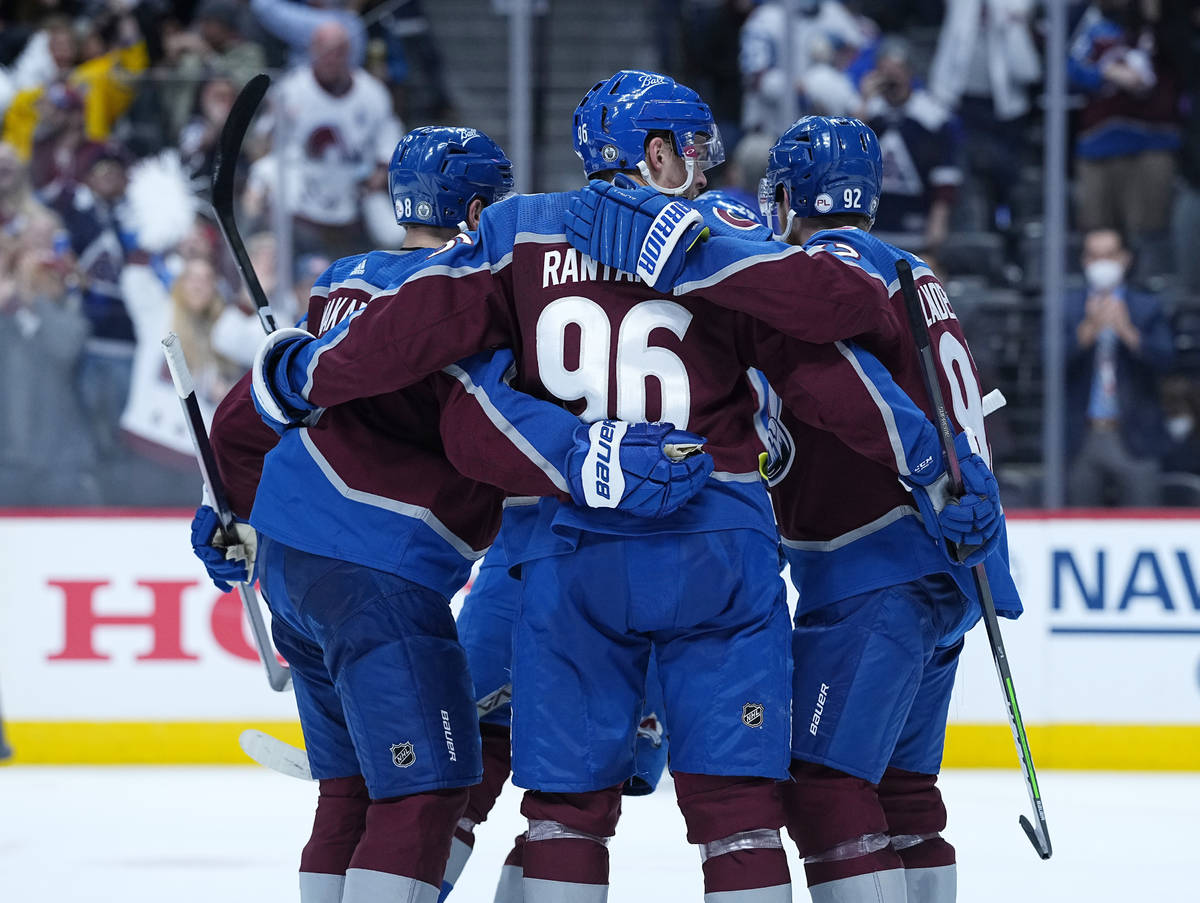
334	133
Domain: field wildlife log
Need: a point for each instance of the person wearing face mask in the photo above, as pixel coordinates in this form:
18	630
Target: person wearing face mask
1118	345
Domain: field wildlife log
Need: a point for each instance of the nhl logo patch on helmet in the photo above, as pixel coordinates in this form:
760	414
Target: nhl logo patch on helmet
822	203
752	714
610	153
403	754
424	210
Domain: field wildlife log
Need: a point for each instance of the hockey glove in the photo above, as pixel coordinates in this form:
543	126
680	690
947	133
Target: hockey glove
647	469
634	229
226	564
971	523
279	404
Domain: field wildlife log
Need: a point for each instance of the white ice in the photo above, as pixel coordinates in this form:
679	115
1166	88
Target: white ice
196	835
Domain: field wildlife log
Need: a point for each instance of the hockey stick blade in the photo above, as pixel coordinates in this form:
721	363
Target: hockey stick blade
229	148
277	755
1040	838
271	752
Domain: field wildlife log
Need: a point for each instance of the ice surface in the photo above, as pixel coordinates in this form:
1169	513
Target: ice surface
196	835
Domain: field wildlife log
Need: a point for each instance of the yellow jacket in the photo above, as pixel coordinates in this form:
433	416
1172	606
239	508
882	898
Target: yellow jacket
107	84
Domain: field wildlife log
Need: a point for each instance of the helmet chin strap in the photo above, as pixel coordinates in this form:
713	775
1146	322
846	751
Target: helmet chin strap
682	189
787	226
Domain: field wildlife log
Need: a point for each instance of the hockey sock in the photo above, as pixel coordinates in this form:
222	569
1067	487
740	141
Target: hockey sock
916	817
511	886
497	758
736	822
839	827
337	827
404	848
566	849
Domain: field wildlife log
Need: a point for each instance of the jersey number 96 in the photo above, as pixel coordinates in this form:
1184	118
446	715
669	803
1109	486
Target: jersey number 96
636	359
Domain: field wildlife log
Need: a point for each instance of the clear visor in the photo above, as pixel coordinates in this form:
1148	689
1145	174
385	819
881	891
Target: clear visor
772	197
705	148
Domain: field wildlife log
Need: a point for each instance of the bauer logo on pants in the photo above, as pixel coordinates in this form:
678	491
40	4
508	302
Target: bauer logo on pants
752	714
403	754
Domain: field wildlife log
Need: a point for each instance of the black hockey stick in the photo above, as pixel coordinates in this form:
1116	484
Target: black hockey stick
1039	836
237	123
278	755
278	676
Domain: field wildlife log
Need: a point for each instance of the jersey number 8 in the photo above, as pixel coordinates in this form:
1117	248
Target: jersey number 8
965	398
636	359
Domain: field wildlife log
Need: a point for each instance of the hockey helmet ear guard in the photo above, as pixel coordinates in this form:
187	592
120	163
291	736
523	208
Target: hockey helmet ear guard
618	115
437	171
825	165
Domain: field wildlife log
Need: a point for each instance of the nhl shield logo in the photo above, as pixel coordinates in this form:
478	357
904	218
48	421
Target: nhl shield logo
752	714
403	754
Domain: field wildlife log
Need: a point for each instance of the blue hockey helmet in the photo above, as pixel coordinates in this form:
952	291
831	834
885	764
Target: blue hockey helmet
437	171
617	115
822	165
735	218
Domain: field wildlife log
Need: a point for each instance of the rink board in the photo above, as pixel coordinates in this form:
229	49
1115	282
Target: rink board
114	647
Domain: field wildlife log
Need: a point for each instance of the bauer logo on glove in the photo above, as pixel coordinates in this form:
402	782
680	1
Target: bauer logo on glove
646	469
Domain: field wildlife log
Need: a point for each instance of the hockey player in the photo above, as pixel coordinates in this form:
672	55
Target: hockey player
882	607
602	592
485	626
364	530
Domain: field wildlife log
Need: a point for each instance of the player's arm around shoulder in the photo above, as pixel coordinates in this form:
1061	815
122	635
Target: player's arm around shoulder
497	434
453	305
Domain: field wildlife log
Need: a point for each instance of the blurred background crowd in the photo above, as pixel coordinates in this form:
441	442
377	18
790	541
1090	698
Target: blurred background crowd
111	111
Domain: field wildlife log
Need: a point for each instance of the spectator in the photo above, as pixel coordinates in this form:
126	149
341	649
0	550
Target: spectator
409	43
89	211
1118	345
1128	128
46	453
103	61
334	133
152	422
59	135
1180	30
213	46
983	68
1181	412
296	24
774	93
199	137
921	147
16	199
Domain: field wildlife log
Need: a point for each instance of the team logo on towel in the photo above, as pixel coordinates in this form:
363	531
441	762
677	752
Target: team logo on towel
752	714
403	754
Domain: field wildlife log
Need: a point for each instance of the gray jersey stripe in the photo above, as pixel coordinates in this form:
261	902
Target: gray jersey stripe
857	533
889	419
416	512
